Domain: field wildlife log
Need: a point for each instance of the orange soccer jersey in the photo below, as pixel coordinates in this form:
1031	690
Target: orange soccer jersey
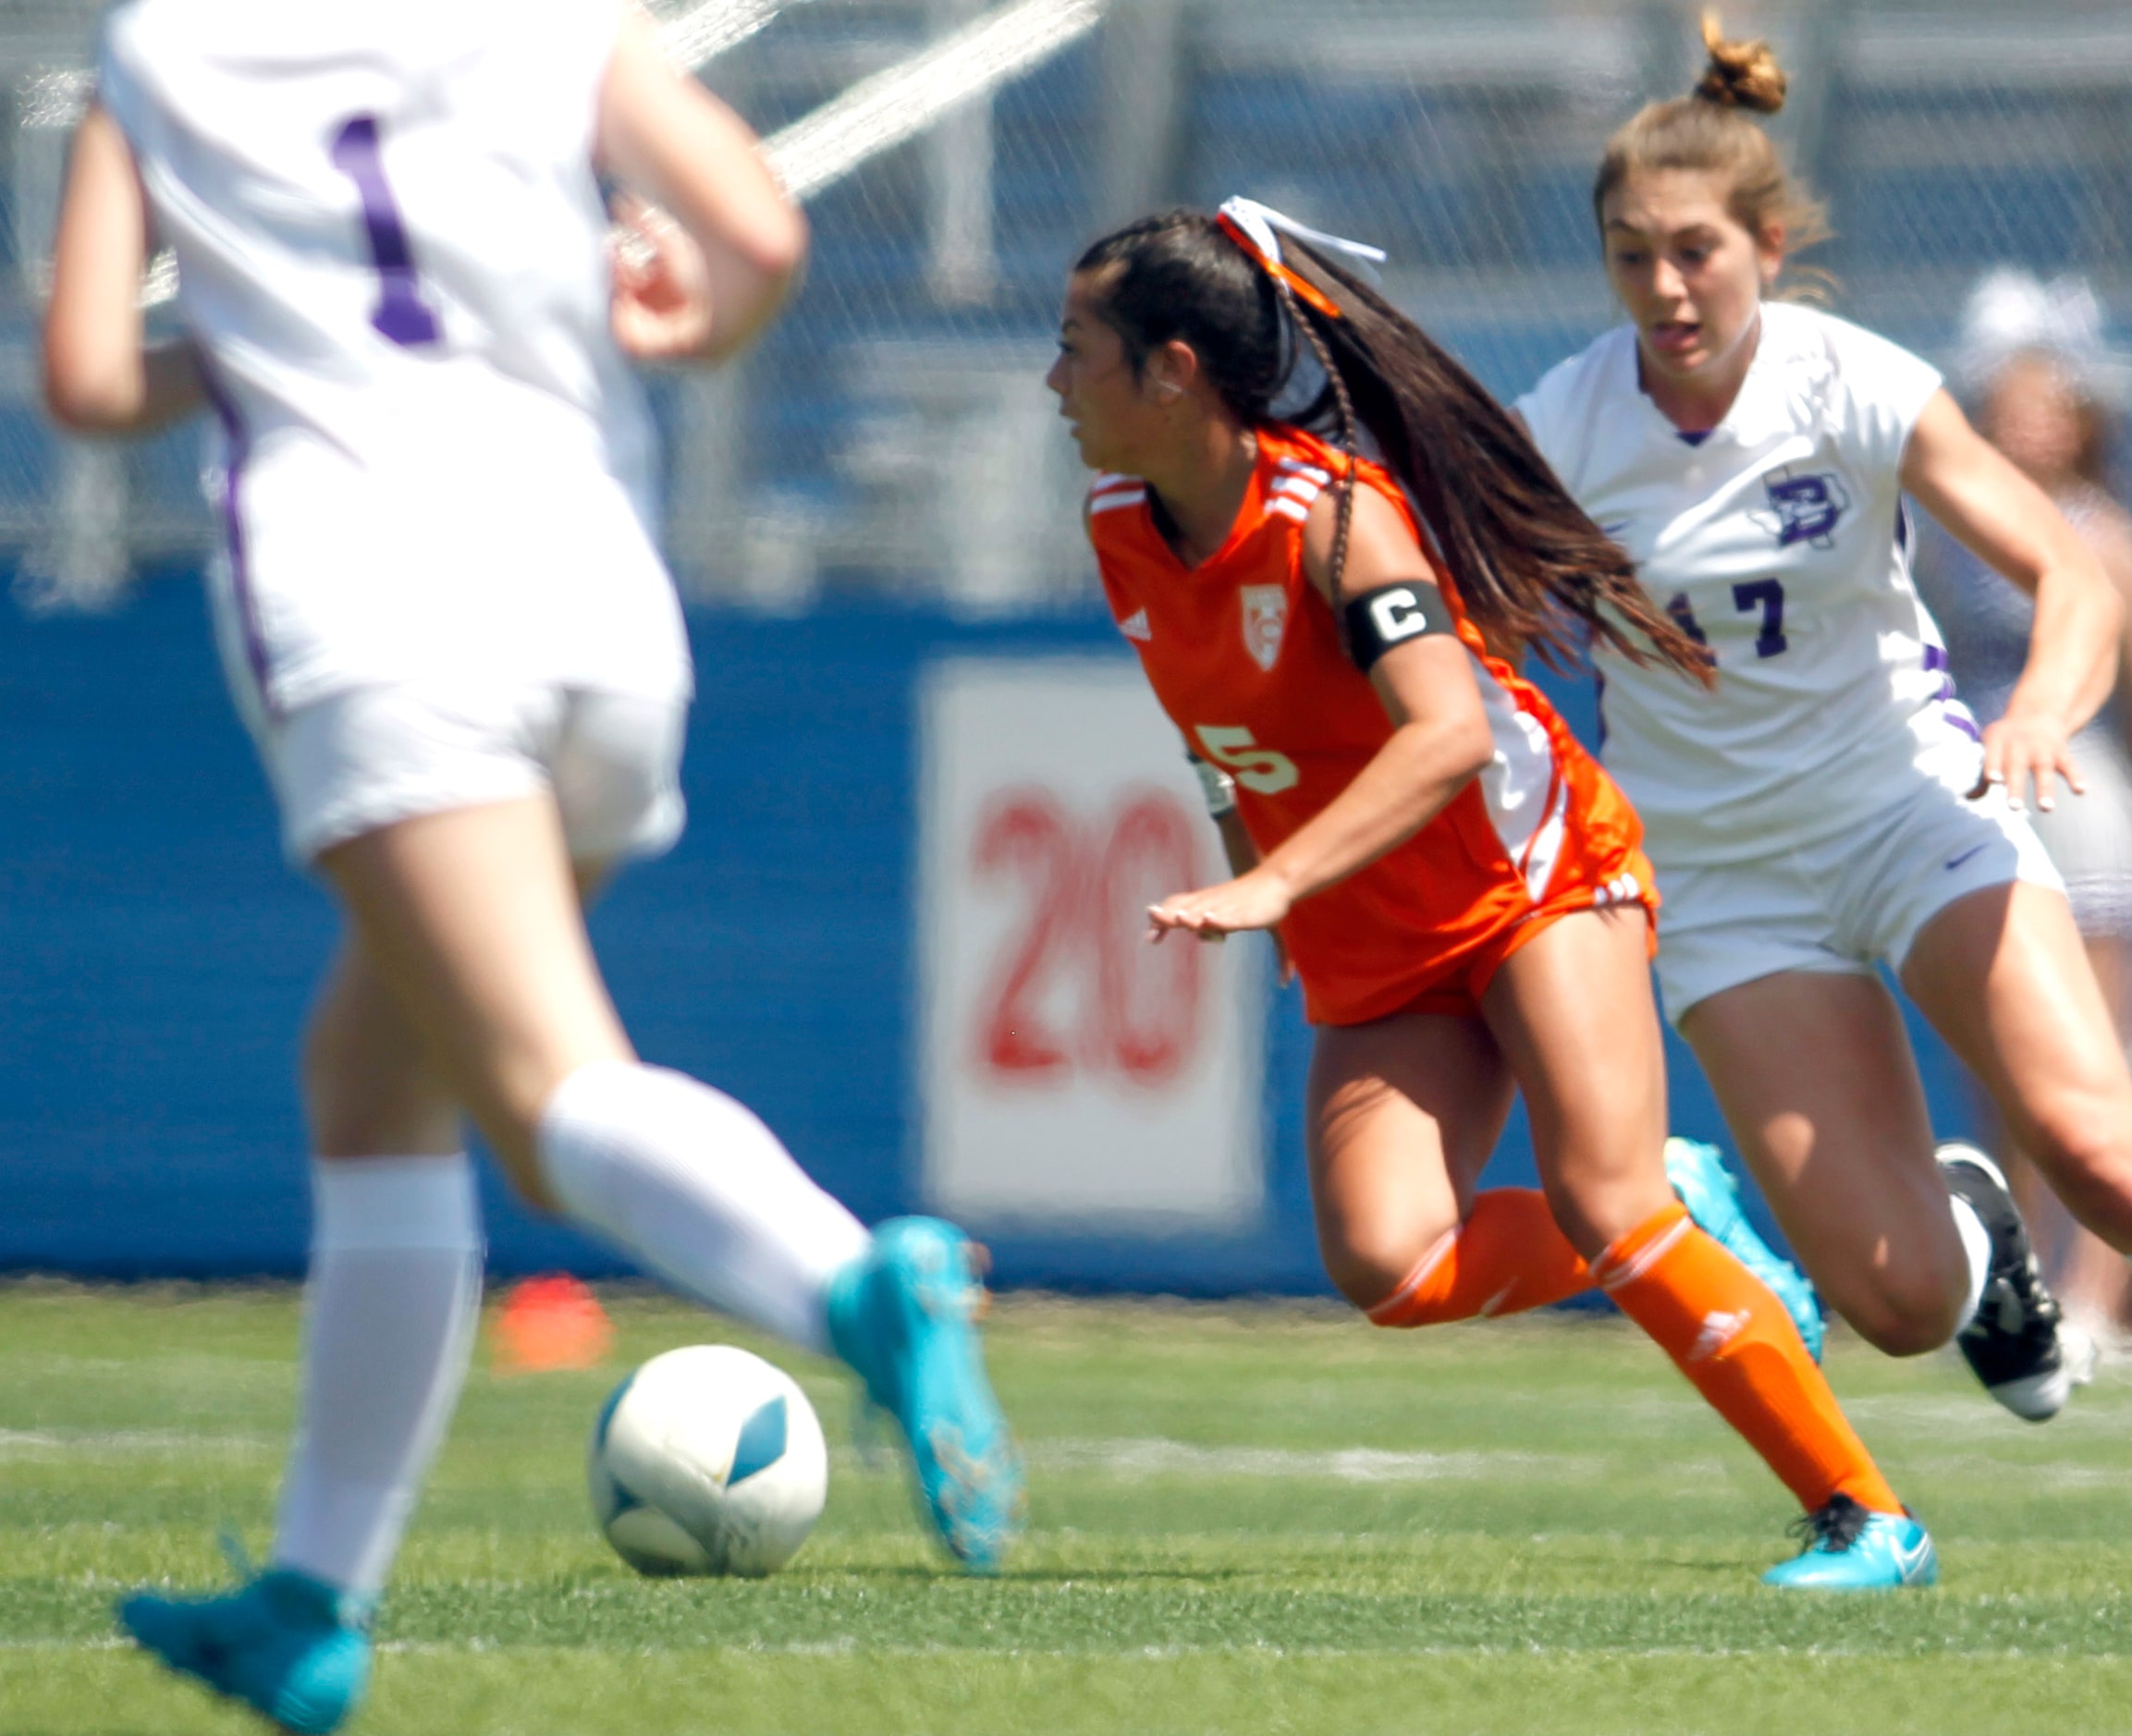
1245	655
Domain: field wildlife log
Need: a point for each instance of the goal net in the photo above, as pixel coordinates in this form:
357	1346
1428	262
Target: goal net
891	437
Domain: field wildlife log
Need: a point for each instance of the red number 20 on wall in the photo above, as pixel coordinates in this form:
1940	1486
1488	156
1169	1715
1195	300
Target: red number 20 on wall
1074	985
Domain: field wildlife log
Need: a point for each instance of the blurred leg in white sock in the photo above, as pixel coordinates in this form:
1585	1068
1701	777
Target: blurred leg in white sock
389	1312
692	1185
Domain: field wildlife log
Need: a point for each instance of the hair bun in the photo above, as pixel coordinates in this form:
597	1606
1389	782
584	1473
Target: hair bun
1741	75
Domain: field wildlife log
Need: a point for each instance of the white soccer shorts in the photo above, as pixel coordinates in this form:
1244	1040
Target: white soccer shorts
358	761
1852	902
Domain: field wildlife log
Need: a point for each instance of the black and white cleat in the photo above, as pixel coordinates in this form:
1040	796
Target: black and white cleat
2016	1343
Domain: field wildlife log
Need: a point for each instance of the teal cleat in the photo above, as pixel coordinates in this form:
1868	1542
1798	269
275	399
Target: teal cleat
286	1645
902	1317
1706	1187
1853	1548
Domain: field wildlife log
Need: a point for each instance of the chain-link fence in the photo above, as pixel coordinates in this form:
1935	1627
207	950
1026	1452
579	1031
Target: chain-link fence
893	437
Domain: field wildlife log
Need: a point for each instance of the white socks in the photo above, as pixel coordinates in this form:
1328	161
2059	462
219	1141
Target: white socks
390	1314
1977	1244
695	1189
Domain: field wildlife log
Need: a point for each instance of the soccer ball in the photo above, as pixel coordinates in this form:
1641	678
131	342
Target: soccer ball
708	1460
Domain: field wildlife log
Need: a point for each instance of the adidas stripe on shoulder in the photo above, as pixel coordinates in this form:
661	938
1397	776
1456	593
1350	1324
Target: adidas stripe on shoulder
1111	491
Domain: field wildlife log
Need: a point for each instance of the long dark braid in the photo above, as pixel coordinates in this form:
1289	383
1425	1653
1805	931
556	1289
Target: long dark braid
1343	407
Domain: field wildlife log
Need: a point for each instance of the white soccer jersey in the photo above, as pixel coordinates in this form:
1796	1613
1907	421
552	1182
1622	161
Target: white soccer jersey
1781	540
392	253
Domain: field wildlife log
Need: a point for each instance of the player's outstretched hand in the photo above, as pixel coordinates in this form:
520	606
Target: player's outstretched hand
2025	748
1252	900
661	310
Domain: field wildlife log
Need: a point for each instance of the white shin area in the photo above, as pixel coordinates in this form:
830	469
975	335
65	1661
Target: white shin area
390	1307
695	1189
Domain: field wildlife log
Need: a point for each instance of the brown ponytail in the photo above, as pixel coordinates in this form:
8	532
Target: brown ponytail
1525	559
1712	130
1529	567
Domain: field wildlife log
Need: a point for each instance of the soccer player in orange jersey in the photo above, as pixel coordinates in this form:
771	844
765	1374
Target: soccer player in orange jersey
1458	885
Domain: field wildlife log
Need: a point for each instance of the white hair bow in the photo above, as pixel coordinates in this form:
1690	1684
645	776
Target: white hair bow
1261	222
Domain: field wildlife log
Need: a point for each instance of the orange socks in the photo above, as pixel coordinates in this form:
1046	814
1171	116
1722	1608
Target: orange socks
1718	1322
1732	1338
1506	1257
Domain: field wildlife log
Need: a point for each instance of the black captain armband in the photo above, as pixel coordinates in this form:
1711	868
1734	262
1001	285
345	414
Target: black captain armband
1391	615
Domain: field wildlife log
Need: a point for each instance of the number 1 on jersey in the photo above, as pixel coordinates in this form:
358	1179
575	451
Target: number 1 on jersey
402	314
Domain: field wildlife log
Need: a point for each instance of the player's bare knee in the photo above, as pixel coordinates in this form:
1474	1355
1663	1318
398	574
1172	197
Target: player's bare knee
510	1094
1364	1283
1368	1267
1906	1313
1595	1211
521	1090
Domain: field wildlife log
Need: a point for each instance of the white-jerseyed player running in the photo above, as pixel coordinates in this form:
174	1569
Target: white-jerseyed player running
1830	805
447	622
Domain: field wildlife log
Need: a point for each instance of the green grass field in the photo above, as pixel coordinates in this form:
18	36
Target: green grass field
1243	1519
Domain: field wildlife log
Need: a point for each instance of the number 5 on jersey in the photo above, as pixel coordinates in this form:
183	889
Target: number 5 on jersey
1256	768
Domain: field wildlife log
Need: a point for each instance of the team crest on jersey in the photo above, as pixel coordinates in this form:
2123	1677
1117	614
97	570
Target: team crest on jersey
1803	509
1265	621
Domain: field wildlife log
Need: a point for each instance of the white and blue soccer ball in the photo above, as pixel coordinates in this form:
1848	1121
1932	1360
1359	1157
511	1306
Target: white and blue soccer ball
708	1460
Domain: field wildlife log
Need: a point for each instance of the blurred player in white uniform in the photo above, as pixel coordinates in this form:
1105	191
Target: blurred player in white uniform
1830	806
447	624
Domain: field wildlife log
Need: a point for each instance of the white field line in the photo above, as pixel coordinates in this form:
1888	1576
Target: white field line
1122	1460
125	1443
1157	1458
1125	1458
1834	1656
1973	1414
1341	1465
2008	1473
1936	1417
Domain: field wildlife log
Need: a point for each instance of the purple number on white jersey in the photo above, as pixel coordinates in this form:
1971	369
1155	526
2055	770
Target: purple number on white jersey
1767	596
402	314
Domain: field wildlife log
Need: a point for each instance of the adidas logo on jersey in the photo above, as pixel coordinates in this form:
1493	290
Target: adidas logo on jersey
1621	889
1134	626
1720	1329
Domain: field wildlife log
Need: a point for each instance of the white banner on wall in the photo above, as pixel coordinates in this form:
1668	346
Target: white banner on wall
1072	1075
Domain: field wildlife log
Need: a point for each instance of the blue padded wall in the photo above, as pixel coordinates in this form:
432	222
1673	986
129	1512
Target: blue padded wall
157	956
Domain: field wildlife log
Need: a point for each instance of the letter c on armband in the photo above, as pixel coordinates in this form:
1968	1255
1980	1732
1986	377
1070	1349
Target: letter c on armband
1391	615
